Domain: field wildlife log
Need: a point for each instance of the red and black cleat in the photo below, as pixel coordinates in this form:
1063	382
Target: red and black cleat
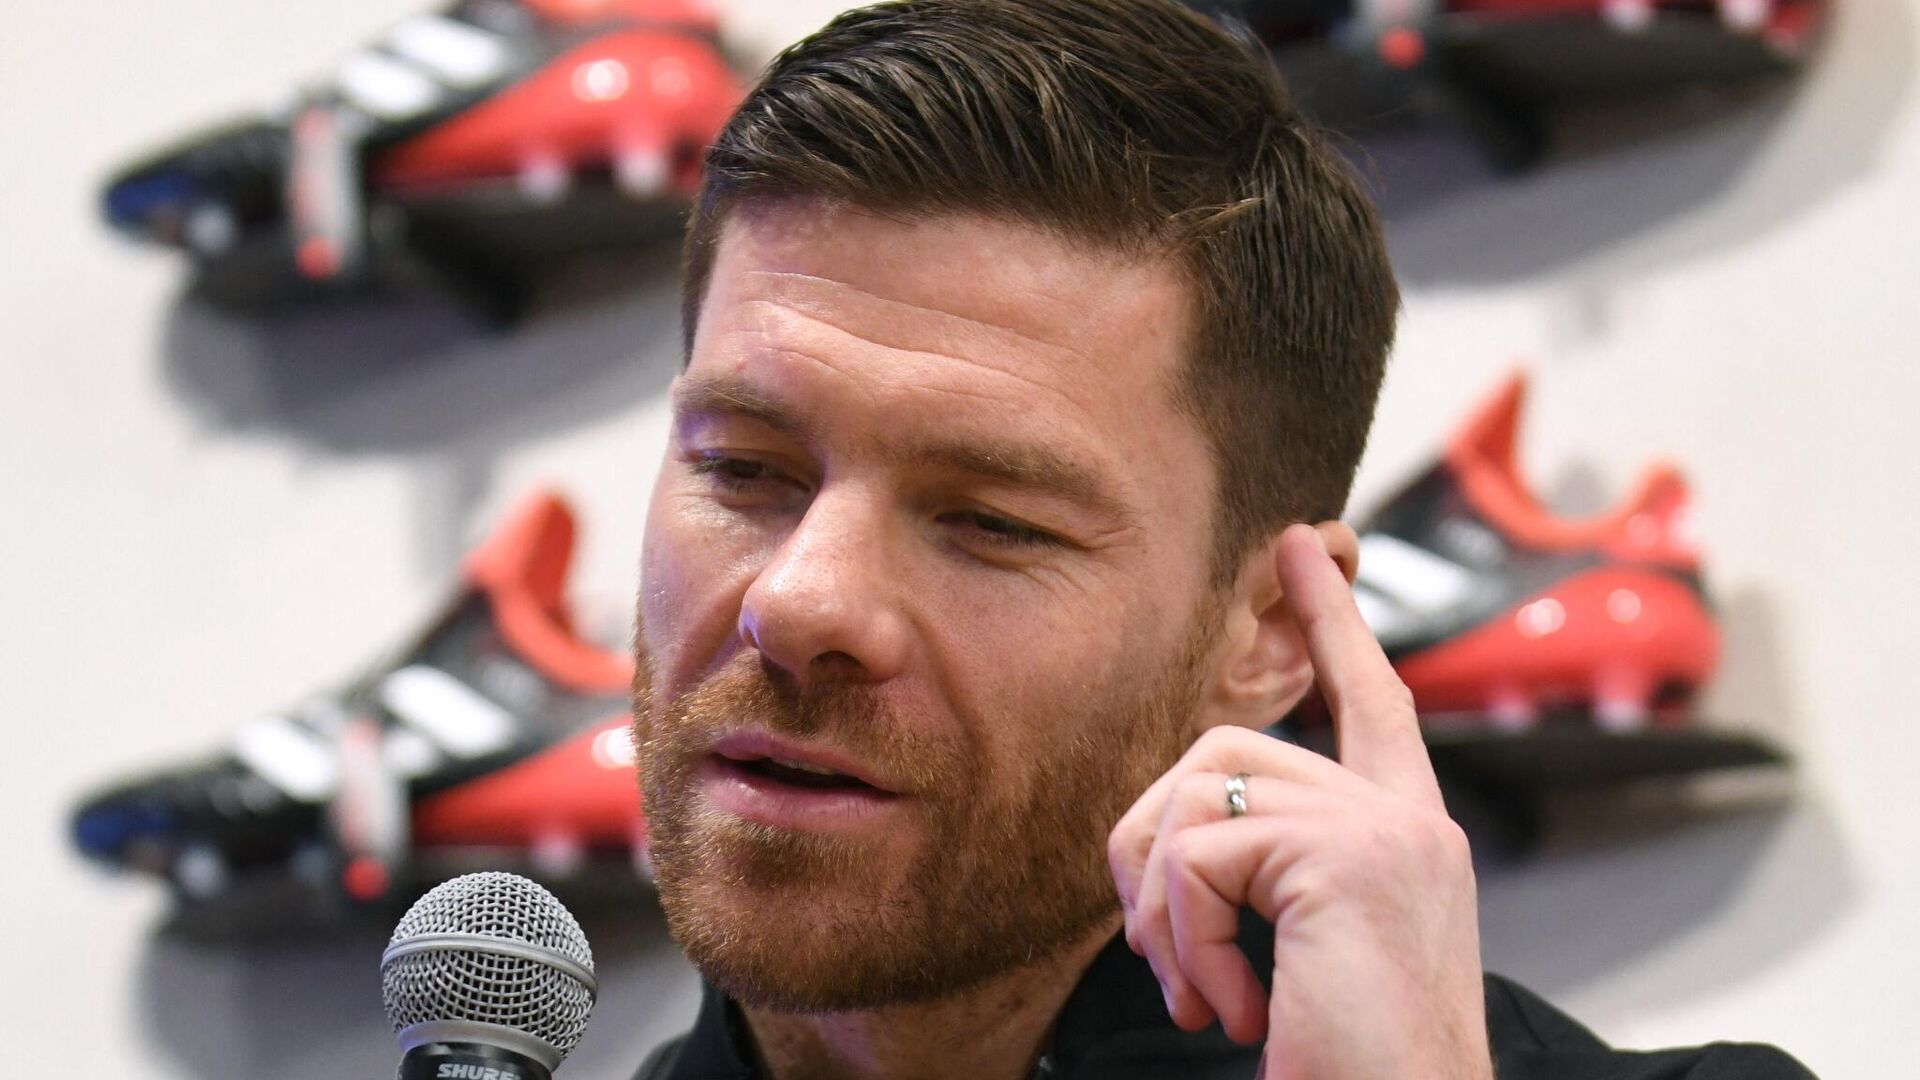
1543	654
1496	69
499	737
490	137
1496	612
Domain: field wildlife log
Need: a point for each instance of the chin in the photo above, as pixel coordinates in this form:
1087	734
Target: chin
795	964
852	938
803	948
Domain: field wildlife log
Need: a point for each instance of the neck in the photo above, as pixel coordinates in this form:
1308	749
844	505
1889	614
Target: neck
994	1031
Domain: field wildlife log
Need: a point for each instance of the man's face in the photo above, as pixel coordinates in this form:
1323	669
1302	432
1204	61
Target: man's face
923	604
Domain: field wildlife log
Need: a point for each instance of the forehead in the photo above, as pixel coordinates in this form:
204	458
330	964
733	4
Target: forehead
952	321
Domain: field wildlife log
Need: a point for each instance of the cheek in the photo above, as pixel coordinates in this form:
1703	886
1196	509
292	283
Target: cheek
1029	669
1030	635
692	576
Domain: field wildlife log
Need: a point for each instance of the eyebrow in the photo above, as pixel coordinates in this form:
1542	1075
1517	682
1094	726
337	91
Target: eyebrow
727	395
1018	465
1032	468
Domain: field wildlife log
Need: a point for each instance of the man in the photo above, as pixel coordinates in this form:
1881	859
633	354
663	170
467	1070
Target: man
1026	338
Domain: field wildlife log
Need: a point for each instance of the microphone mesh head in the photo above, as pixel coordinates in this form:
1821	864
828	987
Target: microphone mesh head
454	983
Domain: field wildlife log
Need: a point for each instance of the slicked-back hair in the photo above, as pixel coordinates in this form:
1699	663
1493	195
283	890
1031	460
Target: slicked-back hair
1133	124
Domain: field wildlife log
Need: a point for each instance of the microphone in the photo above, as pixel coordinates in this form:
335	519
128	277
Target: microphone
487	977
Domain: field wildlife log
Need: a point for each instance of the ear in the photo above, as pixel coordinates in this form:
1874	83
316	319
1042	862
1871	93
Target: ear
1261	668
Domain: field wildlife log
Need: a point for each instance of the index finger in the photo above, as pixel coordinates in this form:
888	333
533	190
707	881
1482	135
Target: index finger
1372	713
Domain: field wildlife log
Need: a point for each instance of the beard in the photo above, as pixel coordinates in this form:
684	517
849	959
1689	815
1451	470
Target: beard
1010	863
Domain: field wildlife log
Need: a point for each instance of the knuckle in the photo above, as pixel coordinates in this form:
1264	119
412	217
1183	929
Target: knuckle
1150	911
1388	697
1126	879
1223	742
1312	883
1451	841
1212	741
1380	843
1373	846
1198	787
1420	839
1399	697
1183	852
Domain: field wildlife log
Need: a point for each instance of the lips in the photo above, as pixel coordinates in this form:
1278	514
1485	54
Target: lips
783	784
799	774
789	762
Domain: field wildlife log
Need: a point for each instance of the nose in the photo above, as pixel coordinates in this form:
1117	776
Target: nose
825	606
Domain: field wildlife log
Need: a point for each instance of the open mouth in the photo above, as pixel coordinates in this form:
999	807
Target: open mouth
798	774
783	784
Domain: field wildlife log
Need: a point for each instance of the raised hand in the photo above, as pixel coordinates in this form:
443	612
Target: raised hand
1368	882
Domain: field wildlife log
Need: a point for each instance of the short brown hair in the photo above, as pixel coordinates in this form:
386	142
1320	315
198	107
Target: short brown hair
1133	123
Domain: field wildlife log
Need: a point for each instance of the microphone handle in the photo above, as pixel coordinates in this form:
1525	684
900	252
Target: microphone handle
469	1061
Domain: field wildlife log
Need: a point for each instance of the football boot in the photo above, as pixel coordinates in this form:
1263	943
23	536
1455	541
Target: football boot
499	732
1496	612
1493	68
493	131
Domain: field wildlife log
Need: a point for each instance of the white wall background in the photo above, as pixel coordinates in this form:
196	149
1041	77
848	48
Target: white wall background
205	518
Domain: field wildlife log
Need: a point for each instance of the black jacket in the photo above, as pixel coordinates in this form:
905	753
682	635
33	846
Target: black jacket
1115	1027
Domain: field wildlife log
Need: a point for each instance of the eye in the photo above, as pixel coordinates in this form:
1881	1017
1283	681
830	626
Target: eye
733	473
998	531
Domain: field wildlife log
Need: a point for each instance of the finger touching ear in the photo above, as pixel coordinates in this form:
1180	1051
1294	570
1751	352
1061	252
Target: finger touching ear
1343	545
1264	669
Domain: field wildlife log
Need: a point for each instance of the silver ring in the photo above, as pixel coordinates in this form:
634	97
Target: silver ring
1237	795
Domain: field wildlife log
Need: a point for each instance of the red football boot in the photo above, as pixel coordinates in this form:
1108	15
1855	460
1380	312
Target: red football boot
1495	610
497	738
476	144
